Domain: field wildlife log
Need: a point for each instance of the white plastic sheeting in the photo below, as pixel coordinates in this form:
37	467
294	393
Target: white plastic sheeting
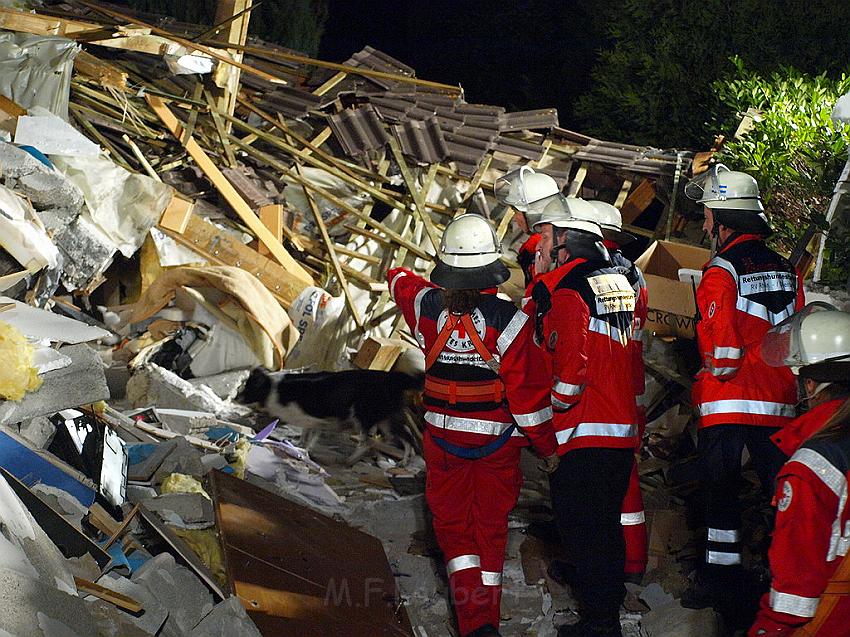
124	206
36	70
21	237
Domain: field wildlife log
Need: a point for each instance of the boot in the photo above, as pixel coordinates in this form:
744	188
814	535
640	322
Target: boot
487	630
596	627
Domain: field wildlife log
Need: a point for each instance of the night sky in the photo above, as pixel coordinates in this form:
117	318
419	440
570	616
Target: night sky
500	52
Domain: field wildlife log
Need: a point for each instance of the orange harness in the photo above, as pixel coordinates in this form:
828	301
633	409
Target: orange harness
454	392
837	588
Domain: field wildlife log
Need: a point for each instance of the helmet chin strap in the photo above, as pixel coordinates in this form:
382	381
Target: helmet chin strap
807	399
553	254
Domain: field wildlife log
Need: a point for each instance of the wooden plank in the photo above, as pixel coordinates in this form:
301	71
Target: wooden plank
101	71
272	218
125	524
351	70
638	201
476	183
128	39
141	157
177	214
11	108
624	192
416	193
379	353
229	193
329	84
576	184
108	595
219	55
220	248
236	14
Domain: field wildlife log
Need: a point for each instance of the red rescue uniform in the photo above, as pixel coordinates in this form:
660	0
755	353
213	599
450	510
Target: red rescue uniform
812	531
584	314
745	290
469	405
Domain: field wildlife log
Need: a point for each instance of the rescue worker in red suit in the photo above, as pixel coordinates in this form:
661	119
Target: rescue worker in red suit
746	289
524	190
584	311
812	531
632	516
486	394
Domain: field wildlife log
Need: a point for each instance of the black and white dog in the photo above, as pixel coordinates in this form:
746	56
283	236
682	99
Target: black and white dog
367	401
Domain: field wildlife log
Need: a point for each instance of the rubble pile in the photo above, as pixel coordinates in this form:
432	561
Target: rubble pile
179	206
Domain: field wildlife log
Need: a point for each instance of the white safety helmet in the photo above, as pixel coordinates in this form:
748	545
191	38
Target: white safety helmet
524	189
469	255
569	212
611	221
814	342
733	198
583	238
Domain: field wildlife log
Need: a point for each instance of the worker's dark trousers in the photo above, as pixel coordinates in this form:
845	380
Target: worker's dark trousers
587	489
720	448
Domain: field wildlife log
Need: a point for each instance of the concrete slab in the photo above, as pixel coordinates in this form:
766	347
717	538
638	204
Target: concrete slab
154	386
23	599
225	385
177	589
45	187
227	619
185	510
155	612
81	383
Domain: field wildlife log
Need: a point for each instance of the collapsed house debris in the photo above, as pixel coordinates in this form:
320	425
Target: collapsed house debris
176	209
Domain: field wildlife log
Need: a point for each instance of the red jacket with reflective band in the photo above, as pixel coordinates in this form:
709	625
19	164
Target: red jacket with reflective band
584	311
745	290
811	537
508	335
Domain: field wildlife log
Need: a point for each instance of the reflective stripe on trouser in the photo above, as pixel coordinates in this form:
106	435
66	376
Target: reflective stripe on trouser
633	521
470	501
720	448
793	604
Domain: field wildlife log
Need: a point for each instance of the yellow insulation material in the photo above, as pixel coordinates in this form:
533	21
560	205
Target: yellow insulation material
241	453
17	375
206	546
181	483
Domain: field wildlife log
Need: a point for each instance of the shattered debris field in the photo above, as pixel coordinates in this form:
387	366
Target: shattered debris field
180	205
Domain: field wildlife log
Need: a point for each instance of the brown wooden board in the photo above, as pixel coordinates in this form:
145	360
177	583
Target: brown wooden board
298	572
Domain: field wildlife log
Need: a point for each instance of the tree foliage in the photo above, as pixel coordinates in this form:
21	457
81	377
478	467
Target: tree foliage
795	151
296	24
652	81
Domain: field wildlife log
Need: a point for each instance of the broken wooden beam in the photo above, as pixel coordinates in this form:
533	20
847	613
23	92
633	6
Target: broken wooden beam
229	193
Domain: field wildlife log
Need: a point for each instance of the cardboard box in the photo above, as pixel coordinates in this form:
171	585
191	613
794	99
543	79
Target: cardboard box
672	305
